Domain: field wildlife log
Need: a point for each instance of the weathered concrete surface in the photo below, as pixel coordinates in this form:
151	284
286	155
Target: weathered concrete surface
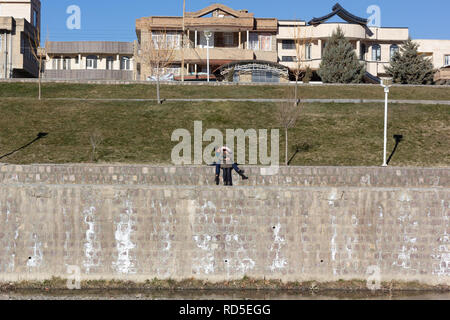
134	223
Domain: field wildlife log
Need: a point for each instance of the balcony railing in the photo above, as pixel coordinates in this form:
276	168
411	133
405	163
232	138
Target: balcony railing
88	74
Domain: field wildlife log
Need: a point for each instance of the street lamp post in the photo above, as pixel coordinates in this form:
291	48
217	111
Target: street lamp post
208	35
386	84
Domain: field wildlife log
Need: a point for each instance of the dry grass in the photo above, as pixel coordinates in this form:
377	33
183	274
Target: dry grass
140	132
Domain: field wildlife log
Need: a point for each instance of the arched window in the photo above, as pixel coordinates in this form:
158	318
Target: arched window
91	62
125	63
394	50
109	63
376	52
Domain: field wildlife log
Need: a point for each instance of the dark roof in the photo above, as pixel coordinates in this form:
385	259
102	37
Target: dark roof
342	13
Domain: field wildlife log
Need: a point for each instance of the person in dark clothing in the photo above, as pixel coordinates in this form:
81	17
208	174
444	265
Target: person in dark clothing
223	155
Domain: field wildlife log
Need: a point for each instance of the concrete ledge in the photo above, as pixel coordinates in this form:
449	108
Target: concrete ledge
204	176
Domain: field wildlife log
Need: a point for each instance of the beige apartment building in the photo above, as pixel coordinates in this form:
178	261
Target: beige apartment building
374	46
90	60
19	26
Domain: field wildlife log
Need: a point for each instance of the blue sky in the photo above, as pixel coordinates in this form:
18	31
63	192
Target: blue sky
115	20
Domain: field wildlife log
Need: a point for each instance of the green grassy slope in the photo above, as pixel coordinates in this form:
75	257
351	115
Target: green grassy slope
140	132
142	91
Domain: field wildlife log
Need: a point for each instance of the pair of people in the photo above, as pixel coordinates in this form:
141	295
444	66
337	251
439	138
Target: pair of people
224	161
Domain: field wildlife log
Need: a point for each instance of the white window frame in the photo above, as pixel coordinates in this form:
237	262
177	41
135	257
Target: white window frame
110	63
376	52
308	51
91	63
125	63
66	63
392	51
446	59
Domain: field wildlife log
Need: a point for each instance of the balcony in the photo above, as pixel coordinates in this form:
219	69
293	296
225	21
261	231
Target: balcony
197	55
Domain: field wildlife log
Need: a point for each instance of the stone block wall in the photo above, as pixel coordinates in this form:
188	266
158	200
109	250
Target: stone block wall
143	222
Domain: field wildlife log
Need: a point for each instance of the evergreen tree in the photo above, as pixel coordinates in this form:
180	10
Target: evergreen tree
409	67
339	62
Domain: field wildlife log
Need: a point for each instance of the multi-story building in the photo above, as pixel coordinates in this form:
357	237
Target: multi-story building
233	38
90	60
245	48
239	47
439	53
19	30
374	46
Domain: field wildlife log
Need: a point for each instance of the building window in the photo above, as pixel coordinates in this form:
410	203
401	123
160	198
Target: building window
288	45
77	60
394	50
308	48
265	42
362	53
56	65
447	60
109	63
125	63
376	52
170	40
264	76
254	41
66	63
288	58
261	42
228	39
91	62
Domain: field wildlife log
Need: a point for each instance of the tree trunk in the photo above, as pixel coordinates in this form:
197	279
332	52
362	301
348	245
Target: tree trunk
286	135
157	85
296	90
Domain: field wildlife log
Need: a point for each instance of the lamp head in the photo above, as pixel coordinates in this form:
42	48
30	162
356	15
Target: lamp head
398	138
386	82
208	34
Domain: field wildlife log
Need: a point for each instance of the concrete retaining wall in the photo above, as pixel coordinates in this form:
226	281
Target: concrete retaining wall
142	222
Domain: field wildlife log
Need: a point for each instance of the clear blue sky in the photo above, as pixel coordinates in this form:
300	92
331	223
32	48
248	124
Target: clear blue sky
115	20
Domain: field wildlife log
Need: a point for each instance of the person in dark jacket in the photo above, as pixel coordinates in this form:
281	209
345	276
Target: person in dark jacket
224	156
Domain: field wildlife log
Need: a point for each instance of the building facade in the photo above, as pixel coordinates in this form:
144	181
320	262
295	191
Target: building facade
239	47
90	60
226	35
19	33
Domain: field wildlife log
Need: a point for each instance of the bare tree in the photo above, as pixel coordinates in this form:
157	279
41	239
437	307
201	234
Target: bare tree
300	52
38	52
96	140
158	52
287	115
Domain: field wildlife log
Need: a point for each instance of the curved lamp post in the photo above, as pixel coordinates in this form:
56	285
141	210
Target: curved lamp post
208	35
386	83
